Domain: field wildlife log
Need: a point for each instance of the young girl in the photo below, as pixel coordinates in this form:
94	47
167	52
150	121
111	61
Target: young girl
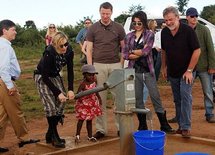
87	107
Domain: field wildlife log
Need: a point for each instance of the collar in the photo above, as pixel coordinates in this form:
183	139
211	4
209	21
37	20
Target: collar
106	26
5	40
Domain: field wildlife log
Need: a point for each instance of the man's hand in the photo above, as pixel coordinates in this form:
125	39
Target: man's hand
211	71
188	77
164	72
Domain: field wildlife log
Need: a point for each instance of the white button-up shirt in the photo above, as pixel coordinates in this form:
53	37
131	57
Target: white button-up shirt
9	66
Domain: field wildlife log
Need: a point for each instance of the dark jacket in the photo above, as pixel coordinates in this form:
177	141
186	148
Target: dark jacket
48	67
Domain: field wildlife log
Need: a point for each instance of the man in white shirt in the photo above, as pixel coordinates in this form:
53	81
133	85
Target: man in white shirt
10	103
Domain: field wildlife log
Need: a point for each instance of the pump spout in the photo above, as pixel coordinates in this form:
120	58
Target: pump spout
143	111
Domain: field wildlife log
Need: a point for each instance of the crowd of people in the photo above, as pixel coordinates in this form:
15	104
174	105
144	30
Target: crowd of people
181	51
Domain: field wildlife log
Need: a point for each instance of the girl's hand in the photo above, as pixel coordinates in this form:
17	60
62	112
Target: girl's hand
70	95
62	98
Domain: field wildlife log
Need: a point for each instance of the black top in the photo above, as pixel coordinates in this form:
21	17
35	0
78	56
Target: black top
140	65
51	64
179	49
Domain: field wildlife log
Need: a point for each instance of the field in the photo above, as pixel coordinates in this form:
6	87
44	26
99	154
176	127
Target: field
37	123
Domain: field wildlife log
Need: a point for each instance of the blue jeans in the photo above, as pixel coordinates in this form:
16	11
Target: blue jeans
206	82
182	94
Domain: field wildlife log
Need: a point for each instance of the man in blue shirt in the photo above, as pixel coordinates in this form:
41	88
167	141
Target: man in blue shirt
9	95
80	38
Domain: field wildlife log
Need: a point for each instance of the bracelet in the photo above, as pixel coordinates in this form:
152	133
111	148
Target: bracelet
190	70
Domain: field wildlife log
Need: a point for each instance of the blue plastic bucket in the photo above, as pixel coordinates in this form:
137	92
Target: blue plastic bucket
149	142
192	153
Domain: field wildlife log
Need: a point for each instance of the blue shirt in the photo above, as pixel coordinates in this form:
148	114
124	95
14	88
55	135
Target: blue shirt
9	66
81	35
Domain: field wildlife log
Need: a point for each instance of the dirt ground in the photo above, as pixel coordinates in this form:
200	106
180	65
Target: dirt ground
200	128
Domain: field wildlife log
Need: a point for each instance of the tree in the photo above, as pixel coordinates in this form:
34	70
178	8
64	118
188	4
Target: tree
121	18
208	13
181	5
132	9
30	24
135	8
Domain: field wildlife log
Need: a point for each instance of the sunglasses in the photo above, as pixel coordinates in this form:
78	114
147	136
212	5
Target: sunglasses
52	27
137	23
194	16
64	45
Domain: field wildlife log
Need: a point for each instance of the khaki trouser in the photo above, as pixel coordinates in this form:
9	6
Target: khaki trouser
10	110
104	70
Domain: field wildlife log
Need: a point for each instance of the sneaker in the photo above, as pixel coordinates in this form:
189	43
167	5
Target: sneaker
92	139
173	120
99	135
77	139
186	133
210	119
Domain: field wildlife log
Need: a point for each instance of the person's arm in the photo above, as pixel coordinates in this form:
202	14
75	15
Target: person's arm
163	64
5	72
84	47
89	52
188	76
47	40
210	51
79	37
122	45
149	41
48	61
70	71
99	98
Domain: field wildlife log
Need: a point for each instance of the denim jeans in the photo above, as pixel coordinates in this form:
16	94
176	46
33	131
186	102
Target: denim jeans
182	94
206	82
147	79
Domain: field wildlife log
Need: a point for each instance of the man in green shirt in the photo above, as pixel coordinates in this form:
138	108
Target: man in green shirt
206	64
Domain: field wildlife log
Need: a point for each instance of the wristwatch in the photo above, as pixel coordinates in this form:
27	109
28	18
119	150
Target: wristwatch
190	70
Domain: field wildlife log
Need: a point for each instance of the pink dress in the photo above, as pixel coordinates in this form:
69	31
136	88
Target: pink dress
88	107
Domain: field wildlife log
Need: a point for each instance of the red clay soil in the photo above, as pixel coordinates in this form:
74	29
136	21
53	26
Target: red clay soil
37	127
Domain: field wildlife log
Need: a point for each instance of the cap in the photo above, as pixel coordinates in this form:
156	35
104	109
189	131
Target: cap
88	69
192	12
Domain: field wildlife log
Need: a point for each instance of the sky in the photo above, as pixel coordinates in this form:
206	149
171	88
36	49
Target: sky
69	12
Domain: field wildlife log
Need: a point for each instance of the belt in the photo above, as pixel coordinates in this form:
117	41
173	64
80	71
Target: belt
12	78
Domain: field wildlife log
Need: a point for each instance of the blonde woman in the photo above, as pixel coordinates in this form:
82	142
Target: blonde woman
51	31
50	84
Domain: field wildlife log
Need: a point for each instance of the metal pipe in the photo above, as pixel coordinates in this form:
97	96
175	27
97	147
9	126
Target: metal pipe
91	91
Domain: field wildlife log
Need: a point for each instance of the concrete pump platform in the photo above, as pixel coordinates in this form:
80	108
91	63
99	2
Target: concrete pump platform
111	146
